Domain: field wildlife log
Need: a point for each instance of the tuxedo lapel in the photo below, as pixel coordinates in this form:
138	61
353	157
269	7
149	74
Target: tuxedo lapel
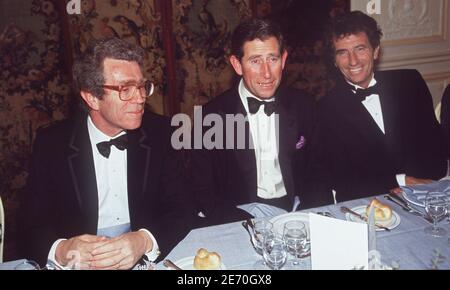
138	165
355	113
245	158
392	125
287	134
82	170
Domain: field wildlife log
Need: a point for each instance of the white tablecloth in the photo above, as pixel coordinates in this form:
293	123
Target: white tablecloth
406	245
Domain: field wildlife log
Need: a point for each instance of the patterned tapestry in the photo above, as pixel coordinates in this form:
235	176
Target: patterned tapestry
33	91
38	41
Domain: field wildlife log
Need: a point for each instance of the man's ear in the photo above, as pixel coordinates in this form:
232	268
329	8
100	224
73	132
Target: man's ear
90	100
376	53
283	58
236	64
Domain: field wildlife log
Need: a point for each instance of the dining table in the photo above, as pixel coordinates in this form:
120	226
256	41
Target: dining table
405	246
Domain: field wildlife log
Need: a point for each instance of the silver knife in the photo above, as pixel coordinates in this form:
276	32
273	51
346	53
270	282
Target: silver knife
397	202
169	264
345	209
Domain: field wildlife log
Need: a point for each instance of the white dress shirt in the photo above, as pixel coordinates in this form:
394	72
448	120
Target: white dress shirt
112	188
373	106
263	130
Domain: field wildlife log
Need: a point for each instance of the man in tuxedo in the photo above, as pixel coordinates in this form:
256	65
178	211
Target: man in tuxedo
105	188
279	127
376	130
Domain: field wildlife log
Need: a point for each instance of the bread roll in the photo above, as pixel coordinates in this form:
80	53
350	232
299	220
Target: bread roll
383	212
205	260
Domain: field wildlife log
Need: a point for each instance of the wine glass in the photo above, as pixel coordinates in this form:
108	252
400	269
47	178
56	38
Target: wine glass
260	229
436	207
296	238
27	265
274	250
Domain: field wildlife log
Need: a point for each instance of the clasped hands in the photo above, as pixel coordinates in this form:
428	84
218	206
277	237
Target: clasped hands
411	181
89	252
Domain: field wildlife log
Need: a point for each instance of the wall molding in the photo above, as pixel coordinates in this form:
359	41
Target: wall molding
415	59
441	36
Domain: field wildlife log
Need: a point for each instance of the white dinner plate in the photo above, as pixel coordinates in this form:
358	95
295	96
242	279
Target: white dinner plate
279	221
188	264
390	224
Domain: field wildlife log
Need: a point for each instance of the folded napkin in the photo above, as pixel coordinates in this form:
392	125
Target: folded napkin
261	210
420	191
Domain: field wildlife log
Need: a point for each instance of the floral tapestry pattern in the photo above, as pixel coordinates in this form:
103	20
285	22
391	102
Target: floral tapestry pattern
33	92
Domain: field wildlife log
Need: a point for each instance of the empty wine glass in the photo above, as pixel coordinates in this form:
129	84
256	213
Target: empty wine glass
260	229
436	207
296	238
274	251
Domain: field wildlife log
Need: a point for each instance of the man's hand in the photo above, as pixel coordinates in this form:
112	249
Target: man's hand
411	181
77	251
122	252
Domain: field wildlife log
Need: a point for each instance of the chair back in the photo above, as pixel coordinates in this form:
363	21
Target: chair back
2	229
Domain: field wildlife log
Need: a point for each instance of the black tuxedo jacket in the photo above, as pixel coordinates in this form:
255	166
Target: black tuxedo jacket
445	119
61	198
354	157
222	179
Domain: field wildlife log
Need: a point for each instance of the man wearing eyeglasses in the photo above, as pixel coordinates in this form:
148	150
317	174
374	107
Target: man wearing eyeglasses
105	188
233	184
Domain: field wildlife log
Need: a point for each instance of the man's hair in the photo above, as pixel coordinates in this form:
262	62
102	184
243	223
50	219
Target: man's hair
254	29
88	69
353	23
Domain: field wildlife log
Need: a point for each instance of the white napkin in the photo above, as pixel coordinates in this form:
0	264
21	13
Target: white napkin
261	210
337	244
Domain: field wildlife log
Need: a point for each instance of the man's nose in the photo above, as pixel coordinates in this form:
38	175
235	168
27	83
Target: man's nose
266	70
353	59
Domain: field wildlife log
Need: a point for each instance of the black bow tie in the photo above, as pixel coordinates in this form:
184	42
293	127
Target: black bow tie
254	104
362	94
120	142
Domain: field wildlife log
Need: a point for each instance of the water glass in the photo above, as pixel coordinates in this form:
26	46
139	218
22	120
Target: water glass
436	206
260	229
297	243
274	251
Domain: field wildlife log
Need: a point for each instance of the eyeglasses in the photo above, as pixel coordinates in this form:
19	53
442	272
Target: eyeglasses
128	91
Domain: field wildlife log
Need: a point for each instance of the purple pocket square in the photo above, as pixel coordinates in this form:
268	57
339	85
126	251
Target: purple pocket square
300	143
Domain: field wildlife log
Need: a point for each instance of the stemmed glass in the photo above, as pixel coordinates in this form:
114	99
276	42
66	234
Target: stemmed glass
436	207
260	229
274	251
296	238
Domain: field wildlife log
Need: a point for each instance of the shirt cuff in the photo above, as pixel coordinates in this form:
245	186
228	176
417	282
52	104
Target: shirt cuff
52	254
153	254
401	179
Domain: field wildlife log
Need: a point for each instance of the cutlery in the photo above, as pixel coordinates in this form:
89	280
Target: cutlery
251	224
347	210
326	213
405	206
245	225
169	264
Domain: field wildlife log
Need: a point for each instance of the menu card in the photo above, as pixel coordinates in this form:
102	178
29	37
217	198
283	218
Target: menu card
337	244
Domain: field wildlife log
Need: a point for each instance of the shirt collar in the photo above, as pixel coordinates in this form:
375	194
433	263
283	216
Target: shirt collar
244	93
373	82
96	135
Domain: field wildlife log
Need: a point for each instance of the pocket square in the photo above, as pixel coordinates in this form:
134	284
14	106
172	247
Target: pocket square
300	143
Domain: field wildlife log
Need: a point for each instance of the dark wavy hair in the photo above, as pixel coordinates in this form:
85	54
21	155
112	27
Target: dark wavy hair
252	29
353	23
88	69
